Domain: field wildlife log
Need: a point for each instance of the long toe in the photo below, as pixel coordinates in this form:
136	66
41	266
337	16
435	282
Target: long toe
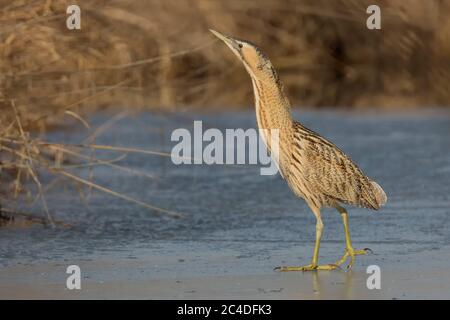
352	261
330	266
361	252
343	259
309	267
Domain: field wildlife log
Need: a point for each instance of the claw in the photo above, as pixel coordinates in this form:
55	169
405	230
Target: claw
368	250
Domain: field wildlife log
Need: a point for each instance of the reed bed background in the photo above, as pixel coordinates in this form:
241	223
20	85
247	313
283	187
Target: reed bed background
159	55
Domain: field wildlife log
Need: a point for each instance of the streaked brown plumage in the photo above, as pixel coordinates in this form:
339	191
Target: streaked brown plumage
323	175
314	168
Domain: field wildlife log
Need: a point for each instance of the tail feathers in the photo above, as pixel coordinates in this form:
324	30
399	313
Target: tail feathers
380	196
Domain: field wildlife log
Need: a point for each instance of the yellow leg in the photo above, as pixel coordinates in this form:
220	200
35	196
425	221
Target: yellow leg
314	263
349	251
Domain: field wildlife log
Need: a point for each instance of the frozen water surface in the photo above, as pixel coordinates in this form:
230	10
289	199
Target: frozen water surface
237	223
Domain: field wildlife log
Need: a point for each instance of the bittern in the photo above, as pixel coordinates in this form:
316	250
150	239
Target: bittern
313	167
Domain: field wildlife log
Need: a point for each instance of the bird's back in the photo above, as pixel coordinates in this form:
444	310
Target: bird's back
324	176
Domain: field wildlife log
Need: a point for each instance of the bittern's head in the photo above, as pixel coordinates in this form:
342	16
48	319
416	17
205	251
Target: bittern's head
255	61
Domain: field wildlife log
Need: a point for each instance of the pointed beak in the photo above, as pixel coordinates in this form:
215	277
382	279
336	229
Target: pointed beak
230	42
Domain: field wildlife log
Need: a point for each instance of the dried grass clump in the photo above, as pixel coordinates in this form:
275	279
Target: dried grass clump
46	74
24	159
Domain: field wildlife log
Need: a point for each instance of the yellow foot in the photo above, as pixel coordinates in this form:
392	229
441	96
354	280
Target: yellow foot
309	267
352	253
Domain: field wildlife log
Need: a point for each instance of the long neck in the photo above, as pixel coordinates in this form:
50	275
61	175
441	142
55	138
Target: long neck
273	111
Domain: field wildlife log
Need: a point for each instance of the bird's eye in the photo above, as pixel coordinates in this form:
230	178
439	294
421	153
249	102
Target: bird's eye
240	45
